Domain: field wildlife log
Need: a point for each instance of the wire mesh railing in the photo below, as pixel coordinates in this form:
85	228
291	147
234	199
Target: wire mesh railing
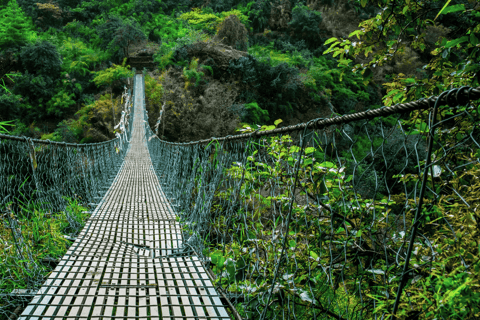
366	216
38	181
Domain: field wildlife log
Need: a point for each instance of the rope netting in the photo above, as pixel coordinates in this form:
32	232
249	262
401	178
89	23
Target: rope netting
352	217
43	181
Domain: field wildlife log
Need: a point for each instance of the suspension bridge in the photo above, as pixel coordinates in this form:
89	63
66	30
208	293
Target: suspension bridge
128	262
293	222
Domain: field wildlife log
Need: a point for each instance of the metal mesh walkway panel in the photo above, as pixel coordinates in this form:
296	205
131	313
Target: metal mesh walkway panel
126	264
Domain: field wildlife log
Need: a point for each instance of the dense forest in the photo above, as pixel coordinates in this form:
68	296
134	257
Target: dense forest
62	74
221	66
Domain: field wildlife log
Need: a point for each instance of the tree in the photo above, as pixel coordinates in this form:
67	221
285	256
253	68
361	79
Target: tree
51	15
122	33
16	30
110	77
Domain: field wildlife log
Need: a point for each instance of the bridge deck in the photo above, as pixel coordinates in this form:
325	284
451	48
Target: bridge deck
119	265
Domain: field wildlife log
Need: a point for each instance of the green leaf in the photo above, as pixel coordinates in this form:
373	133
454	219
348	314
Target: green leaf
455	8
454	42
313	255
363	3
356	32
278	121
327	164
330	40
358	234
473	39
446	5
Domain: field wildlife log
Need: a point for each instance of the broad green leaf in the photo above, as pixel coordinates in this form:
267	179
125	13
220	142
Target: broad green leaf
454	42
455	8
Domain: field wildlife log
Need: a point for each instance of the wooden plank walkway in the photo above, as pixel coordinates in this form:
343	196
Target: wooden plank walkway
119	268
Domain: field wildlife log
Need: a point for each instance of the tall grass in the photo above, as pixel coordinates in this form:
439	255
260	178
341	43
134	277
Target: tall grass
29	240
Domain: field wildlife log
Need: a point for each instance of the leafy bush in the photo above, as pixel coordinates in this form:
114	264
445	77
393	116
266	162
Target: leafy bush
16	29
233	33
173	7
306	22
259	15
256	115
118	33
60	103
339	84
192	73
201	20
154	94
41	58
36	91
67	130
276	84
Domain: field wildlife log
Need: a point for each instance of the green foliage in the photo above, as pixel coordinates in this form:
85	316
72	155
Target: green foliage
78	56
324	178
48	15
111	75
256	115
5	123
36	91
80	29
164	60
154	95
16	29
276	84
267	54
43	237
60	102
201	21
118	33
174	34
153	89
453	62
41	58
192	73
305	20
259	14
340	85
